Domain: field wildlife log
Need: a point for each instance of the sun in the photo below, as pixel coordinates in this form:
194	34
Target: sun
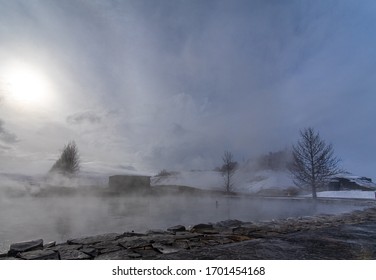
26	85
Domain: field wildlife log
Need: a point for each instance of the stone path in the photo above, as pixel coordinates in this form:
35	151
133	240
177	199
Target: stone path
344	236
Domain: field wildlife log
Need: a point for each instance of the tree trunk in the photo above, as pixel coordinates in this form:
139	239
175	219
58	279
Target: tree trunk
314	194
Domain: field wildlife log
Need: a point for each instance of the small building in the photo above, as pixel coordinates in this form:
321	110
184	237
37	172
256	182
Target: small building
129	183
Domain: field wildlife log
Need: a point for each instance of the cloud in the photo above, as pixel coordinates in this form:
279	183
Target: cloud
6	136
182	81
88	117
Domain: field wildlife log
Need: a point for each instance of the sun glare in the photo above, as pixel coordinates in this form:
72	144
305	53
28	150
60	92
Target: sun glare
26	85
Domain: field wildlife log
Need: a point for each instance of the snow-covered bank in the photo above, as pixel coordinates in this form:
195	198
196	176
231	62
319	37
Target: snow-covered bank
262	182
348	194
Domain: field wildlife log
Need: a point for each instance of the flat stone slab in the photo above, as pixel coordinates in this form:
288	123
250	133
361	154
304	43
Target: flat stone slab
66	247
95	239
186	235
165	249
73	255
110	249
93	252
39	255
136	242
118	255
25	246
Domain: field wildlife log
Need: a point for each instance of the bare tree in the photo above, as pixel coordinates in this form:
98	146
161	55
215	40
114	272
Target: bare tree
313	162
69	162
228	169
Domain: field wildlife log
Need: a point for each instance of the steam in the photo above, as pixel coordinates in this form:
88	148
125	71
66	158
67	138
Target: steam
60	217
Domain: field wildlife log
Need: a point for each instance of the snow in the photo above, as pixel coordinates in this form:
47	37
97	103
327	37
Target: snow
348	194
243	182
263	180
256	181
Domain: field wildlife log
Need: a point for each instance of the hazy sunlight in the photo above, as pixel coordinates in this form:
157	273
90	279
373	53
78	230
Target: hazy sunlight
26	85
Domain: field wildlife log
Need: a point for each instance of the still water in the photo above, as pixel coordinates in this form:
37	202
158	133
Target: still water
62	218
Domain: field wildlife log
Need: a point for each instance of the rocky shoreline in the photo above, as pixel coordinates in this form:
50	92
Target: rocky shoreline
343	236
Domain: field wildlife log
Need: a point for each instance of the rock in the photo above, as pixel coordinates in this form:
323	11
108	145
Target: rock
25	246
165	249
147	254
73	255
39	255
95	239
118	255
186	235
50	244
229	223
134	255
131	234
93	252
11	259
105	244
183	244
205	229
111	249
238	238
156	231
202	227
134	242
176	228
66	247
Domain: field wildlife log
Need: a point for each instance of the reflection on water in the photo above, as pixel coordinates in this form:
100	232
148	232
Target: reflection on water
61	218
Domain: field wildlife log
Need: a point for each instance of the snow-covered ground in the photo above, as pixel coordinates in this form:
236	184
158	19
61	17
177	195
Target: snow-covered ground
243	182
265	182
348	194
255	182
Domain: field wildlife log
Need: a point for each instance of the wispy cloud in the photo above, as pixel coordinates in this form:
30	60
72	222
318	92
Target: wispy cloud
84	117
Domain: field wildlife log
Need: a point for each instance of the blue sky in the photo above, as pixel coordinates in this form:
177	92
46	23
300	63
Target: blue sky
172	84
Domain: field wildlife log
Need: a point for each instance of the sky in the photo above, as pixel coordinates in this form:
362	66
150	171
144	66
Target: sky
171	84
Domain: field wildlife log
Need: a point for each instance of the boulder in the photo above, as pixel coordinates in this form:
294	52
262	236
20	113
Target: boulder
21	247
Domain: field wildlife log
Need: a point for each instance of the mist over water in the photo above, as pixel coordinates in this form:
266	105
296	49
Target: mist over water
58	218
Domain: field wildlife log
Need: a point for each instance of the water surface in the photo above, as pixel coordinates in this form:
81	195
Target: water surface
61	218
